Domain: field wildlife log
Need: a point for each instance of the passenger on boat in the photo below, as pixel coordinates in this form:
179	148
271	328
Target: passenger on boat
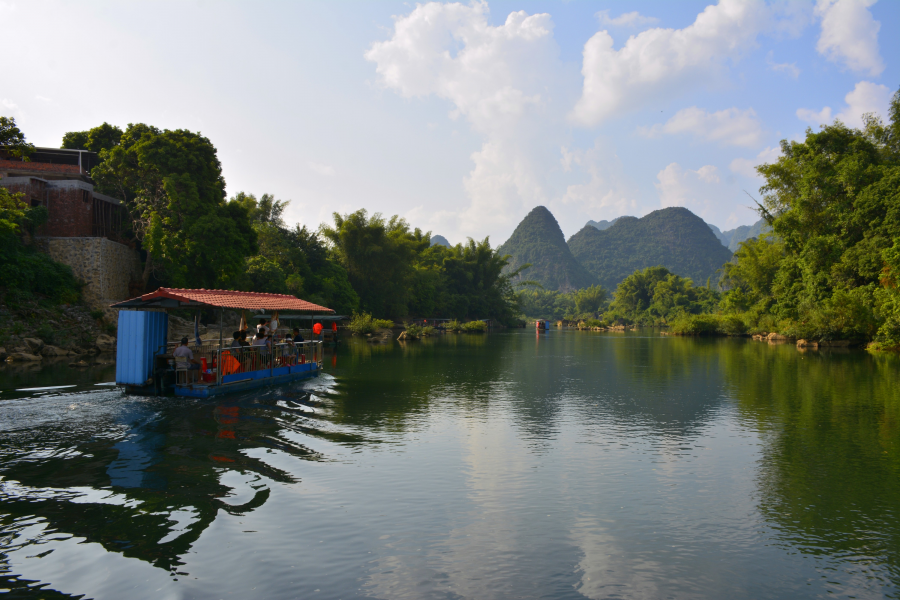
236	343
244	342
297	337
262	325
183	354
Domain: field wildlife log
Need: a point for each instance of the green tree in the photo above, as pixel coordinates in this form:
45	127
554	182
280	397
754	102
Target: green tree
172	184
100	138
833	201
12	140
379	257
590	300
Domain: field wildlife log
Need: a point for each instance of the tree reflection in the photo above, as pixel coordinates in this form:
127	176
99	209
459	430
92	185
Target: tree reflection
829	481
117	474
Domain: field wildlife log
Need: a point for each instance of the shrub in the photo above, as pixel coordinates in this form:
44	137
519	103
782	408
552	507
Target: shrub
97	314
453	325
732	325
687	324
474	327
428	330
594	323
413	331
383	323
362	323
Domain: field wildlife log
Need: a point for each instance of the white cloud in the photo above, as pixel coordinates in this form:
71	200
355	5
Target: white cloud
790	69
866	97
451	51
815	117
850	35
658	62
747	166
326	170
607	193
731	126
44	99
701	191
497	78
7	6
632	19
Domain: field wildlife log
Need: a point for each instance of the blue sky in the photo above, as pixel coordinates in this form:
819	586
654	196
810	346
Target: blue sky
462	117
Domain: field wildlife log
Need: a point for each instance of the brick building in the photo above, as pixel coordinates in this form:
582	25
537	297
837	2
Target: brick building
59	179
84	227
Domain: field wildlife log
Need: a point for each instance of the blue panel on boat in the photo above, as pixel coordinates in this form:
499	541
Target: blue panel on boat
281	371
140	336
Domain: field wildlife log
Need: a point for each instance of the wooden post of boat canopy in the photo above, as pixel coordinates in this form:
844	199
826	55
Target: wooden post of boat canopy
221	325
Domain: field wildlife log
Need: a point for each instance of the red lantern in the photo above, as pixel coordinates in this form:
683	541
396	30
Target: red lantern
334	326
317	328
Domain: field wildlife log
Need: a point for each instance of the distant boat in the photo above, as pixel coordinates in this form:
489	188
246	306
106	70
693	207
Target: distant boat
144	358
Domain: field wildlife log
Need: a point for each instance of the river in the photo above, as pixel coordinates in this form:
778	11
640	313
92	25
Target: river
508	465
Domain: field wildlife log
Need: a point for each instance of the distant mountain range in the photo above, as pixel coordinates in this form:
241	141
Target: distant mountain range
674	237
733	237
601	225
538	240
606	252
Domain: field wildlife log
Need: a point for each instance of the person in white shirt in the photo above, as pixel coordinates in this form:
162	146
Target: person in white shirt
184	353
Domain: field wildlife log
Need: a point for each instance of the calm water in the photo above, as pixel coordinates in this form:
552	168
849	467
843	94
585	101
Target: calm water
501	466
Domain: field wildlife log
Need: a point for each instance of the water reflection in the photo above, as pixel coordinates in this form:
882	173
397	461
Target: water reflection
830	484
143	477
563	465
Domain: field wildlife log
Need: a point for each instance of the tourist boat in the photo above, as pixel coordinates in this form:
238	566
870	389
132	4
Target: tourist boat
144	360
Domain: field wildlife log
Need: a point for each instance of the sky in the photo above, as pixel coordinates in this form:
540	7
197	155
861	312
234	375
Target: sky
462	117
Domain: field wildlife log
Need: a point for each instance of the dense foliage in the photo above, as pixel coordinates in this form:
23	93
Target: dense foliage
397	272
172	184
538	241
831	268
672	237
655	296
292	261
586	303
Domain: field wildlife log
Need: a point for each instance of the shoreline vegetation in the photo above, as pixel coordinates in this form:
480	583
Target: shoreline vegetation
827	274
827	271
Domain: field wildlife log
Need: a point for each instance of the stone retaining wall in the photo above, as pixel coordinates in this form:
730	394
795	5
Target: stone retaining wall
105	267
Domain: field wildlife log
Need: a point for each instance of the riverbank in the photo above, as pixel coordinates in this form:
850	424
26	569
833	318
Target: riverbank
32	331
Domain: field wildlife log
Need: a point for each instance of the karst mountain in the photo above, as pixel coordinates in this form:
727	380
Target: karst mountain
538	240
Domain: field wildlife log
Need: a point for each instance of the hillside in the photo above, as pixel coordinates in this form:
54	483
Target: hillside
539	240
675	238
733	237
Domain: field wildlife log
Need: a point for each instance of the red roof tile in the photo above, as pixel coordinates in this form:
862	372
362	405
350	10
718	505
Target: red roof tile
37	167
242	300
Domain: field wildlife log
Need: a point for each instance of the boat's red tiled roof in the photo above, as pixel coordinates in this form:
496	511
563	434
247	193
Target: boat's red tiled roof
242	300
37	167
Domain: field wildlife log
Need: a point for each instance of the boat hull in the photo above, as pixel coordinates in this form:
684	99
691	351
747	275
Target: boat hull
240	382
